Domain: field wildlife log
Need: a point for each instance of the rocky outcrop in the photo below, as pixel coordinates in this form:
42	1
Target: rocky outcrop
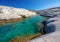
52	12
11	12
52	24
51	37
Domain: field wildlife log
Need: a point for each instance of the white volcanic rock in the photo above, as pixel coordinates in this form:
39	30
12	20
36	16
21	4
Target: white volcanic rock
50	20
51	37
6	14
11	12
9	16
52	12
24	12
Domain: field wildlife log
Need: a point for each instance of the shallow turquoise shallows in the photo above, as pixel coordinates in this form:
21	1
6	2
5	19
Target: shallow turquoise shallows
25	27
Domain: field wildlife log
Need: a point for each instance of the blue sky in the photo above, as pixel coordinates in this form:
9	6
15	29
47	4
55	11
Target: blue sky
31	4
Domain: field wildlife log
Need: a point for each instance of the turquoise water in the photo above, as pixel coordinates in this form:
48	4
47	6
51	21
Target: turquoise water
25	27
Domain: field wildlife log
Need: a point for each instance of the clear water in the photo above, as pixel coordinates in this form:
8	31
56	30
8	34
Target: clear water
25	27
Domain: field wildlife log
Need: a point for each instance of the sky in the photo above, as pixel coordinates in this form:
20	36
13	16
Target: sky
31	4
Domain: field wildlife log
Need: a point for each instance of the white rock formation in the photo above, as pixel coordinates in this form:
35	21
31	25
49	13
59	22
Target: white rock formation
51	37
52	12
55	18
11	12
24	12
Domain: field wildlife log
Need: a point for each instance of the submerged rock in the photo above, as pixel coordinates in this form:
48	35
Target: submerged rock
52	24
